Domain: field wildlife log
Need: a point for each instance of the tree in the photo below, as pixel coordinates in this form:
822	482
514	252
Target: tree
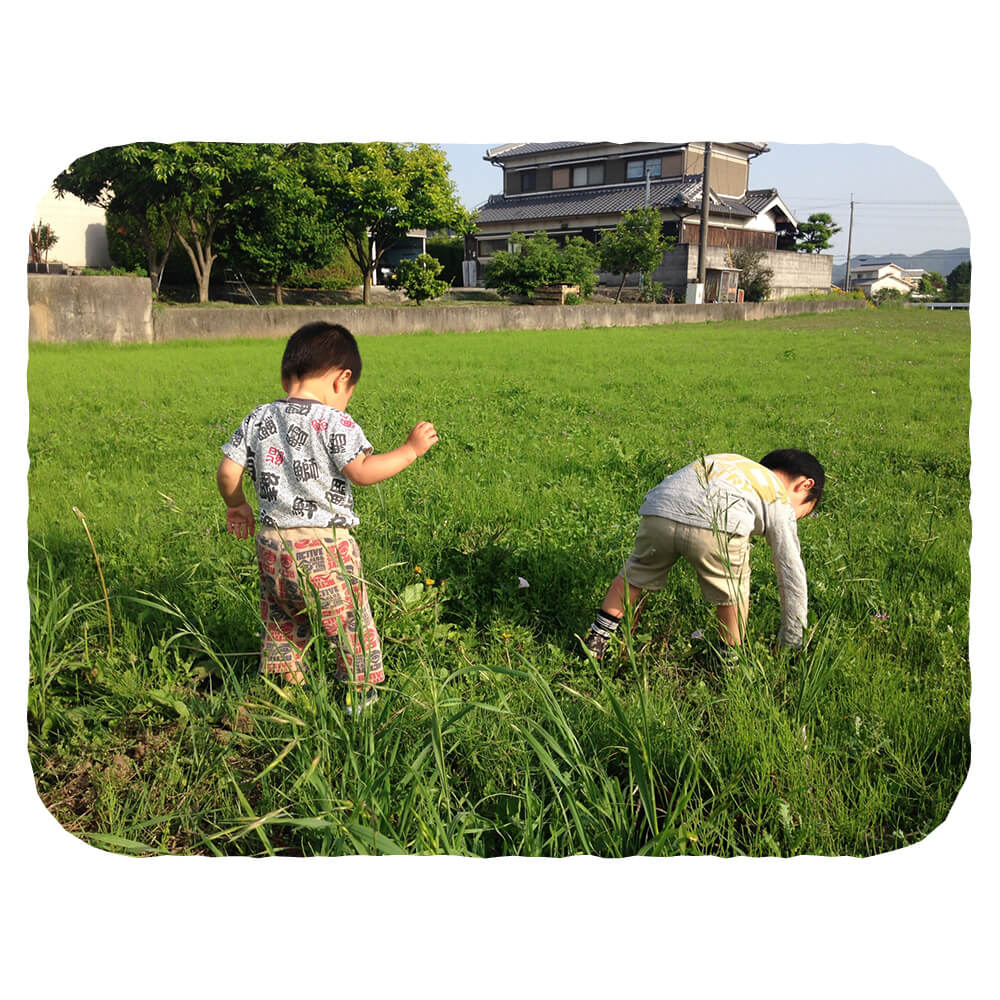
538	260
133	199
755	276
637	243
960	283
931	283
41	240
419	278
280	230
816	233
377	191
196	188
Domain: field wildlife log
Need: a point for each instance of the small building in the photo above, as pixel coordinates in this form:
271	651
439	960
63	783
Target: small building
872	277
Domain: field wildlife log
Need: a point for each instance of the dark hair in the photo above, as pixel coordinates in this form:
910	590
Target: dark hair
797	463
319	347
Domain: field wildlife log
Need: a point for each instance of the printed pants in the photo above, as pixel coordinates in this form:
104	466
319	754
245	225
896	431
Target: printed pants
313	577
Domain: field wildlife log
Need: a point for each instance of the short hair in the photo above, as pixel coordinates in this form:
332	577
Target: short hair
319	347
797	463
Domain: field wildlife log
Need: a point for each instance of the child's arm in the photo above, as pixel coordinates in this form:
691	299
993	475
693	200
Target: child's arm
792	588
368	469
239	514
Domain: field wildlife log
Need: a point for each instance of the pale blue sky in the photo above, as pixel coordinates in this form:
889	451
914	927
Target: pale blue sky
901	203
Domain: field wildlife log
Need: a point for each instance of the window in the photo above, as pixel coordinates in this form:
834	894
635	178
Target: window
636	170
560	177
528	180
591	173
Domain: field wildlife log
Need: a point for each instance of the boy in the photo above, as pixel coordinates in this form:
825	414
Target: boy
303	454
705	513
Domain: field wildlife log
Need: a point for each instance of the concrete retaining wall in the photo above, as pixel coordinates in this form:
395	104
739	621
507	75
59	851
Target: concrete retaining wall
70	309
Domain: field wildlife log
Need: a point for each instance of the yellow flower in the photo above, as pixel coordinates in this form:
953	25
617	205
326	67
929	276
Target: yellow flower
417	570
428	581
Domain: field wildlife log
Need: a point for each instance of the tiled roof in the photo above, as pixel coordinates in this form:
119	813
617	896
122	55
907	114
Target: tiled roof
527	148
683	192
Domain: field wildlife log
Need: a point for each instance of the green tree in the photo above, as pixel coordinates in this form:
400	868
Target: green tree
418	277
377	191
280	230
816	233
960	283
888	297
637	243
196	188
931	283
133	199
755	275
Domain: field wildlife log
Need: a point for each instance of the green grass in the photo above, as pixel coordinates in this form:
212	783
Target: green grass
492	737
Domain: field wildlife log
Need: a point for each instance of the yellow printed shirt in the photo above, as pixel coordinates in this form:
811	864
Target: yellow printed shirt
737	496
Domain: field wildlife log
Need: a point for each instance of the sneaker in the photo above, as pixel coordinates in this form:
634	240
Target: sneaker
363	701
596	644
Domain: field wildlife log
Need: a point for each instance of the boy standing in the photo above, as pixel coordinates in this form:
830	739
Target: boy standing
705	513
303	454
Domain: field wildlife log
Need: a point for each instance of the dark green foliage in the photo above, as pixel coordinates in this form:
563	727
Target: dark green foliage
960	283
755	276
816	233
449	251
539	260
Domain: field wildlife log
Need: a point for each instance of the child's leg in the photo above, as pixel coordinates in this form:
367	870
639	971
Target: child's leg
285	626
614	600
729	624
347	618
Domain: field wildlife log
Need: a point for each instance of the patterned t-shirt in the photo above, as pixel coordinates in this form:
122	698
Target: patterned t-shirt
295	451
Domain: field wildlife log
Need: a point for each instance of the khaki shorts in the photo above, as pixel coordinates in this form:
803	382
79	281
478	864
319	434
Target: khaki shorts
721	561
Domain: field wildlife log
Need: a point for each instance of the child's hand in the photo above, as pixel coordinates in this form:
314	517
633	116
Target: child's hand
422	437
240	521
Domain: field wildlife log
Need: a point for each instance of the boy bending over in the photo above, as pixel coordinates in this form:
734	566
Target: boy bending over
303	454
706	513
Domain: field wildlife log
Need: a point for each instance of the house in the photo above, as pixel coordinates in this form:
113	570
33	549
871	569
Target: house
583	188
82	239
872	277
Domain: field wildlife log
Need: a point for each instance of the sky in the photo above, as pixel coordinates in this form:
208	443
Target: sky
901	203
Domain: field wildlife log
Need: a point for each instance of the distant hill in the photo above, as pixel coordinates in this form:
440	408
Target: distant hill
942	261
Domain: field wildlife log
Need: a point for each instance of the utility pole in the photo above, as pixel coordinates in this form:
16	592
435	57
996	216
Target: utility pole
850	233
703	236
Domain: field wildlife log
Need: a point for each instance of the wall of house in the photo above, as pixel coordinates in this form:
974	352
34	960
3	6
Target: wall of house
794	273
83	241
65	309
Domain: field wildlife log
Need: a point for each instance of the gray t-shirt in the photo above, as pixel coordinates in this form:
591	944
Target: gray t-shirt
738	496
295	451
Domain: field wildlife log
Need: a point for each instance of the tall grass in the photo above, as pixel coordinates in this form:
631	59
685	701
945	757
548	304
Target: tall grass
492	735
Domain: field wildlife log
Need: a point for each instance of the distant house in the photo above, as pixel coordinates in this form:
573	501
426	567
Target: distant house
582	189
872	277
82	238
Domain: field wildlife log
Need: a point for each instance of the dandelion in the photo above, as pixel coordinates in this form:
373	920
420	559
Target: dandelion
428	581
417	570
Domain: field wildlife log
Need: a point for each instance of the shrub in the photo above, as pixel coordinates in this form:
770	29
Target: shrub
418	277
539	260
755	277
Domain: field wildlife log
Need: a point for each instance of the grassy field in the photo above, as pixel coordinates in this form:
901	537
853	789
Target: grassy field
153	733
